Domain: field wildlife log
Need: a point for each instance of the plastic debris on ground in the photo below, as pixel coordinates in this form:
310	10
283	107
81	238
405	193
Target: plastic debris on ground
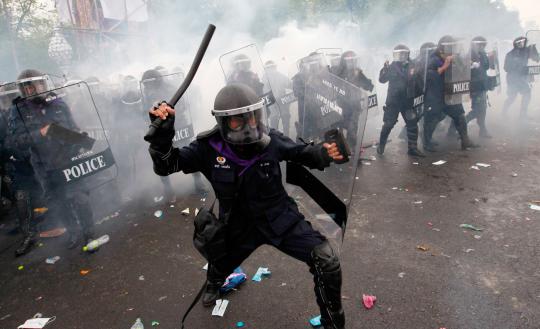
41	211
234	280
21	267
155	323
84	272
36	323
438	163
162	298
468	250
261	272
185	212
477	237
483	165
240	324
158	213
415	163
475	167
158	198
417	202
401	275
534	207
422	247
141	278
96	243
470	227
138	324
52	260
514	174
221	306
316	321
53	233
369	301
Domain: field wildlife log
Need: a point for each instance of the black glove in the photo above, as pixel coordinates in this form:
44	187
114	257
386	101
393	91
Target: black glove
164	130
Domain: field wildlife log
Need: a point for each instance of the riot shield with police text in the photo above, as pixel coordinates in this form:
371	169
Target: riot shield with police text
335	111
457	78
533	43
494	71
65	139
161	88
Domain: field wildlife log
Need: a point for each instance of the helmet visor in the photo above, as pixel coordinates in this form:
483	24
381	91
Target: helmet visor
242	126
34	86
401	55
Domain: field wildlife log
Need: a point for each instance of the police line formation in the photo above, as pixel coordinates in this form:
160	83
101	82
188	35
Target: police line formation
62	142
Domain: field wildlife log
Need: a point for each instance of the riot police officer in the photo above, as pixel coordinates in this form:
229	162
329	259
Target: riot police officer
350	71
30	121
517	76
240	157
243	74
436	107
401	77
280	85
479	84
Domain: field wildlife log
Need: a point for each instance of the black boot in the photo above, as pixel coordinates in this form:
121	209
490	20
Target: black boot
415	152
412	140
385	132
461	127
429	128
326	270
27	243
214	281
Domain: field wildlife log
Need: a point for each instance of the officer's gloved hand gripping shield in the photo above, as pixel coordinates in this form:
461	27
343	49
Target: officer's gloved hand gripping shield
155	88
67	143
334	111
533	45
457	78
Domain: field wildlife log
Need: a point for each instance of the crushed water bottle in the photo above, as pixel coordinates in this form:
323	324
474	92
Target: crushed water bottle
95	244
138	324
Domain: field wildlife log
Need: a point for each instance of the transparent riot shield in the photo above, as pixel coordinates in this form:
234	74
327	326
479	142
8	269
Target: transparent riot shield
332	57
335	111
245	66
65	138
161	88
416	82
533	43
494	71
457	78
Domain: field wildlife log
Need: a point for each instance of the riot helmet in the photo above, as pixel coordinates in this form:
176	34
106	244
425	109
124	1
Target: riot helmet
33	82
241	63
161	69
151	79
401	53
240	115
270	66
520	42
447	46
312	64
479	44
349	60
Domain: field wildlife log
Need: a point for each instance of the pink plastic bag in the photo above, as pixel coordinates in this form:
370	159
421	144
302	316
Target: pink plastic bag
369	301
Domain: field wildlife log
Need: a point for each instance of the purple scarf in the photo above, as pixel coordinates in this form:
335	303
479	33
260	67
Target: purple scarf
224	149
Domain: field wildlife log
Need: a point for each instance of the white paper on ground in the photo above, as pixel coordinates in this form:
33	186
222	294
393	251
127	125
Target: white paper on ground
221	306
37	323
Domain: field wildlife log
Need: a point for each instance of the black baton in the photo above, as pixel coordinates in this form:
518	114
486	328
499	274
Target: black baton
187	81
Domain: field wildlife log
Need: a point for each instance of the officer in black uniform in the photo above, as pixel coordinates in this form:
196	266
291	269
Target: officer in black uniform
243	74
517	75
350	71
401	78
479	84
29	123
240	158
435	106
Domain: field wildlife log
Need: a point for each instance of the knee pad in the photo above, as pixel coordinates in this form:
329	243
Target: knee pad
324	257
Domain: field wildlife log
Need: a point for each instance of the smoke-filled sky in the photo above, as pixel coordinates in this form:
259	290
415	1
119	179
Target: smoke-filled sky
529	10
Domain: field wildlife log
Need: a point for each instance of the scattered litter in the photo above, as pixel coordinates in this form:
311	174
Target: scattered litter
372	158
401	275
417	202
171	206
221	306
158	213
5	317
162	298
155	323
475	167
483	165
203	199
514	174
438	163
357	178
283	284
443	196
422	247
20	268
53	233
138	324
40	245
205	267
430	224
436	229
261	272
36	323
96	243
468	250
141	277
106	218
38	298
196	211
130	309
367	163
415	163
84	272
471	227
234	280
369	301
185	212
52	260
534	207
240	324
394	188
477	237
158	198
316	321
